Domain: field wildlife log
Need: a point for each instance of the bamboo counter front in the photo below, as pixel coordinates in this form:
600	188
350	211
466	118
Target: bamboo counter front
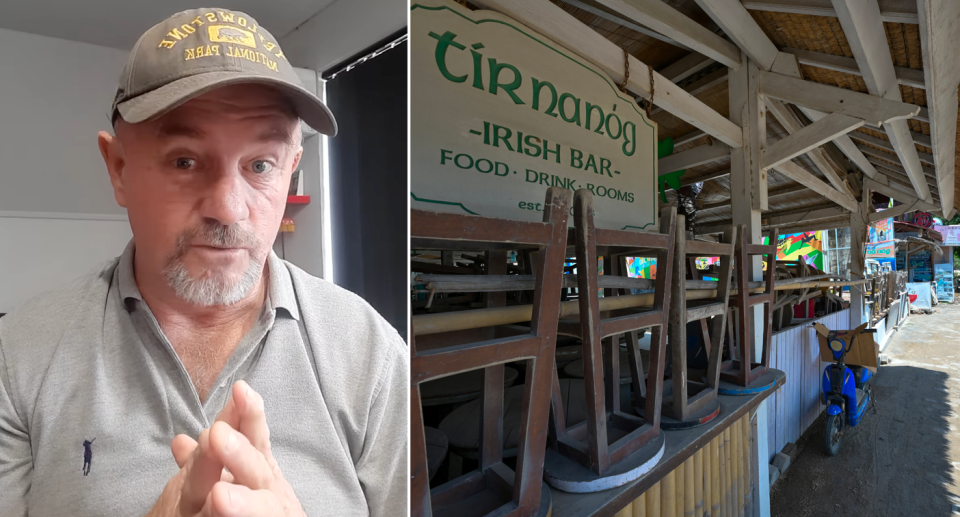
669	477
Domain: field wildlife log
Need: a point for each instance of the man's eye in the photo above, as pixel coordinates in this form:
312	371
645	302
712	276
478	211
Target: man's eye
261	166
185	163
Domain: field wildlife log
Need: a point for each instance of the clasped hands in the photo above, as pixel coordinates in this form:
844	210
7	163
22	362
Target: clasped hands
229	470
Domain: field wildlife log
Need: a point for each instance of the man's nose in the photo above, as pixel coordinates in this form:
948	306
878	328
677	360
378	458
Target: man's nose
225	199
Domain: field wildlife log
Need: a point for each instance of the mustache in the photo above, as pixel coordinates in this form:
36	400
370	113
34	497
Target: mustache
212	233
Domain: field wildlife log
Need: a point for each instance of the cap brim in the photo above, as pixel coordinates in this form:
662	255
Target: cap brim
157	102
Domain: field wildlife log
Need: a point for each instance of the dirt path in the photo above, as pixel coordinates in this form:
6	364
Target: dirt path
903	459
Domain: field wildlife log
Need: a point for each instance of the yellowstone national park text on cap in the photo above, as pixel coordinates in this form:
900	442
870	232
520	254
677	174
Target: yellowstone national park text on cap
199	50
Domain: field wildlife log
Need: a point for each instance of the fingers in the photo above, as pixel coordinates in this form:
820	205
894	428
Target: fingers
244	412
182	447
228	500
248	465
203	470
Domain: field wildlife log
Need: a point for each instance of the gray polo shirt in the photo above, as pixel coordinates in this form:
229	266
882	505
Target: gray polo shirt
88	363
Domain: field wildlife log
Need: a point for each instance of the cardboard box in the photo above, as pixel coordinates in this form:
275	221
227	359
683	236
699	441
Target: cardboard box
864	352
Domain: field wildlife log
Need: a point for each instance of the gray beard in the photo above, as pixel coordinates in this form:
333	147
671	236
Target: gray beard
214	288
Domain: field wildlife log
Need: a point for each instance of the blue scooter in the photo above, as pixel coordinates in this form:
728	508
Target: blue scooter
845	391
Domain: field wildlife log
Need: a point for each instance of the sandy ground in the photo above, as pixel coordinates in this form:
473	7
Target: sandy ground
904	458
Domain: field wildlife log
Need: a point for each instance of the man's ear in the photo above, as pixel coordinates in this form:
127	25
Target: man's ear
296	159
112	152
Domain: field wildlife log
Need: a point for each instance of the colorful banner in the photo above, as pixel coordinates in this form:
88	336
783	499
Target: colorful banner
944	279
881	230
642	267
951	235
880	250
706	262
919	295
802	246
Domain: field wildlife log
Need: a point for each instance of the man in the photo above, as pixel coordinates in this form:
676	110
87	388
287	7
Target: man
277	393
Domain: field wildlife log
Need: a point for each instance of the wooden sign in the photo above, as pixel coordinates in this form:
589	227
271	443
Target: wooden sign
498	113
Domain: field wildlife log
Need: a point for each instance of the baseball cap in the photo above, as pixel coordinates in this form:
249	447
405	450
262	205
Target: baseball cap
197	51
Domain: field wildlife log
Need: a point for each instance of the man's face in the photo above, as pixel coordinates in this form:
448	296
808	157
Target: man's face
205	187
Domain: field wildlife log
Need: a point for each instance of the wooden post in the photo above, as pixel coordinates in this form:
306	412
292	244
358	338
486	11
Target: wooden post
678	322
859	221
748	189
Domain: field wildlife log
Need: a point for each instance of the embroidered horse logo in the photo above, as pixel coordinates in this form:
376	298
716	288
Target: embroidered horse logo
87	455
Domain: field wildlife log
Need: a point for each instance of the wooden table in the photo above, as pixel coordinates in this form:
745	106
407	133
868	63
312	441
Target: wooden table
680	445
462	387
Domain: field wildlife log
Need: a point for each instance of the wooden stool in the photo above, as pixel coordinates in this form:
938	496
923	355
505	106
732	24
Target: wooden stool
575	368
687	402
504	492
741	375
460	388
612	447
437	446
463	423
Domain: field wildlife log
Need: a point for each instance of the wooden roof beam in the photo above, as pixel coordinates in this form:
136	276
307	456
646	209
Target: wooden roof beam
903	197
693	157
791	123
785	191
702	85
591	7
875	111
863	27
740	26
931	177
924	157
787	217
846	145
675	25
553	22
905	76
685	182
939	25
893	212
808	138
686	66
800	175
894	11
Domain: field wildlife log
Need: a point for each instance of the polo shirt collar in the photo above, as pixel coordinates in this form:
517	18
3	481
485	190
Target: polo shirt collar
280	292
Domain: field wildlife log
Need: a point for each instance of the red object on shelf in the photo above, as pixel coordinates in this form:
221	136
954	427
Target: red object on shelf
298	200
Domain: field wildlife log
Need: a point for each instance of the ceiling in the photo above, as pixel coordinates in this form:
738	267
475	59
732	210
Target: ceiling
118	23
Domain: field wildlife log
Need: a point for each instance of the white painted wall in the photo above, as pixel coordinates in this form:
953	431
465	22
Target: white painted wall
342	29
40	254
58	218
55	96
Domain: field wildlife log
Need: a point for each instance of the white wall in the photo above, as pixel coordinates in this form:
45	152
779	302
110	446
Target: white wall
39	254
55	96
58	218
342	29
